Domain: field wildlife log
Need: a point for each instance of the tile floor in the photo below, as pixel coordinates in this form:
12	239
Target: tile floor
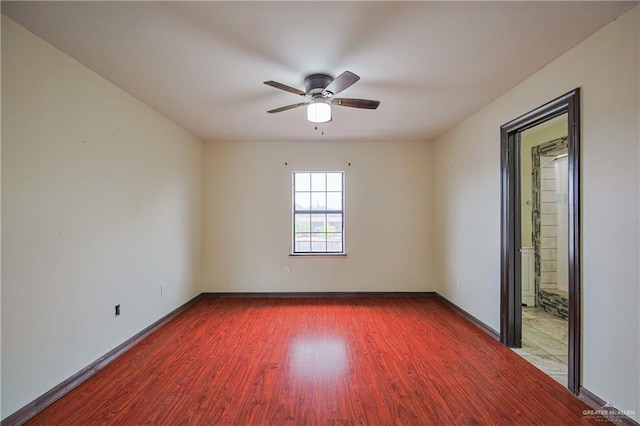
544	342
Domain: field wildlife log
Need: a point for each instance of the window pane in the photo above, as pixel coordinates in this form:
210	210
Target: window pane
334	242
303	223
334	200
319	223
318	201
334	181
318	242
302	242
316	231
302	181
303	201
334	223
318	181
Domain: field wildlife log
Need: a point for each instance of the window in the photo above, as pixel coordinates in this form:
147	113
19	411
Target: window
318	212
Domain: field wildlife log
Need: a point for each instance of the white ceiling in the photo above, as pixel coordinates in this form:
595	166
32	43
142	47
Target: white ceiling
202	64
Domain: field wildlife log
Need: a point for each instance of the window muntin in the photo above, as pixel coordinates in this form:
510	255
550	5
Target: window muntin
318	212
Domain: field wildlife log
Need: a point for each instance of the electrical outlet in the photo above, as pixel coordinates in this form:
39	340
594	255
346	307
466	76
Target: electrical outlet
162	289
117	310
286	271
458	282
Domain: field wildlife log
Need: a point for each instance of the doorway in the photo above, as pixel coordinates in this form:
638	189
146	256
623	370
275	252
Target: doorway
544	224
540	239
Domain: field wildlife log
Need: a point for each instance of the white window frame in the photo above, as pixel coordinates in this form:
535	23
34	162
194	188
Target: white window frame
316	211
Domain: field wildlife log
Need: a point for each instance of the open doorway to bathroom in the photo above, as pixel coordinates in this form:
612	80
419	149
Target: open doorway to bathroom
540	238
544	246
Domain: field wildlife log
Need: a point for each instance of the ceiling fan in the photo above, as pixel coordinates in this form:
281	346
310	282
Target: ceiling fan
320	89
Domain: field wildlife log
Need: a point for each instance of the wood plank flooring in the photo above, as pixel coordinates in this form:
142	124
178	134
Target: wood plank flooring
351	361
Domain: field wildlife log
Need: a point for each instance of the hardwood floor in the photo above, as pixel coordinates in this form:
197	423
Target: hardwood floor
376	361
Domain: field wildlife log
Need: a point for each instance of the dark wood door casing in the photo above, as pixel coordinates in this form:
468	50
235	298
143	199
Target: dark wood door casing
510	290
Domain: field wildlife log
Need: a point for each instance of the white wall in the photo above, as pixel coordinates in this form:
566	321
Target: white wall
388	221
101	204
467	162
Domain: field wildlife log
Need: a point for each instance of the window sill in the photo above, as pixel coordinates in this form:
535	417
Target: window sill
319	254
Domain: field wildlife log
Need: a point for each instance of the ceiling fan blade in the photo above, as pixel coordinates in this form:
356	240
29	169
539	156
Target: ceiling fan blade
340	83
284	87
284	108
356	103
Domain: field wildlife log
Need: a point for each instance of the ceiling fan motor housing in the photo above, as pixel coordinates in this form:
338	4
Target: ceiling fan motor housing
316	83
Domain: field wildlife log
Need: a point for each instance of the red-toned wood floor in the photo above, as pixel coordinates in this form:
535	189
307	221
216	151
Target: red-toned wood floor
317	361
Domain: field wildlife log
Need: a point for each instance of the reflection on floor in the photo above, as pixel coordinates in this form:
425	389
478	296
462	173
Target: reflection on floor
544	342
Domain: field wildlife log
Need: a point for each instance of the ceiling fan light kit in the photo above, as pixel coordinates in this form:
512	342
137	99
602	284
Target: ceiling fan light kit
318	111
320	89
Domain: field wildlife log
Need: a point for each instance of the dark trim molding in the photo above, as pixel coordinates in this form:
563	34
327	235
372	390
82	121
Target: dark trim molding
612	414
510	268
318	295
466	315
37	405
590	399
